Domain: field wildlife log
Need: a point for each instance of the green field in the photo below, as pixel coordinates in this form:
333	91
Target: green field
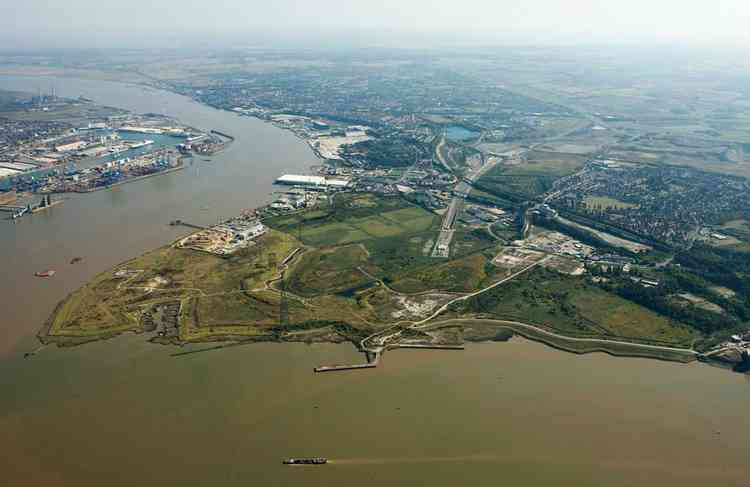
236	296
458	275
217	289
739	233
532	176
391	239
238	308
571	306
364	263
606	203
329	271
356	219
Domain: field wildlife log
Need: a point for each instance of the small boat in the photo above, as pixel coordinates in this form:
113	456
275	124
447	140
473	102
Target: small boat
47	273
75	260
306	461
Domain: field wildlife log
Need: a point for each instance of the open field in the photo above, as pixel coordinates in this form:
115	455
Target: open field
329	271
237	296
604	202
570	148
572	307
739	235
76	115
530	177
116	300
391	248
343	289
355	219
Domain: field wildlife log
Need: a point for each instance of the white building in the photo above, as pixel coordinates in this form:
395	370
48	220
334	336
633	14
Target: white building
73	146
312	181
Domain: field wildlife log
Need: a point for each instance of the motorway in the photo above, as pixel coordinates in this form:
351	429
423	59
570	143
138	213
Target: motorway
460	193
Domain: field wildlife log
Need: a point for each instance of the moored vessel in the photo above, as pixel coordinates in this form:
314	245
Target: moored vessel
47	273
306	461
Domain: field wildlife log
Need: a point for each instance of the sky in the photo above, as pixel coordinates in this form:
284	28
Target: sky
172	23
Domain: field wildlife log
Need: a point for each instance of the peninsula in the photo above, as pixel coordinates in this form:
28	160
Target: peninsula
446	209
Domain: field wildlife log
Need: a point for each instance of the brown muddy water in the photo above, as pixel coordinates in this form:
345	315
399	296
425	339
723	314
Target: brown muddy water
125	412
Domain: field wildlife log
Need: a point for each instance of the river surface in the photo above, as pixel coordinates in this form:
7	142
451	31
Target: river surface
126	412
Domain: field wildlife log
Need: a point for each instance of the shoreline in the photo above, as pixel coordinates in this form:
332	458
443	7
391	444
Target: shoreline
132	180
579	346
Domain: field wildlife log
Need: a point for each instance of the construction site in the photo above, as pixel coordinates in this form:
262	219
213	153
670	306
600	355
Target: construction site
225	238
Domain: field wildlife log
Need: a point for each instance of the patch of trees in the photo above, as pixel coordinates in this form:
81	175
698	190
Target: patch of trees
659	299
490	199
725	267
516	187
390	151
739	307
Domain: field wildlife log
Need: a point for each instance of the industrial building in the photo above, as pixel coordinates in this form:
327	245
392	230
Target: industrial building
312	181
73	146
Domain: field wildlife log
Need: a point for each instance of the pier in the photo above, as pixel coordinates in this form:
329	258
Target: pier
373	358
15	211
429	346
181	223
18	211
50	204
373	355
11	208
335	368
222	134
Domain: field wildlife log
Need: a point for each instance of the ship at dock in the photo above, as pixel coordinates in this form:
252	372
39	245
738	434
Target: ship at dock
306	461
144	143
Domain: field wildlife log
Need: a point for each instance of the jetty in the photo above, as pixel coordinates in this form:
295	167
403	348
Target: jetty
373	358
15	211
181	223
335	368
223	134
46	206
429	346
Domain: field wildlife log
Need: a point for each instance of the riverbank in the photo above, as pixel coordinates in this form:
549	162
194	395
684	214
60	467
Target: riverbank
180	166
107	227
484	330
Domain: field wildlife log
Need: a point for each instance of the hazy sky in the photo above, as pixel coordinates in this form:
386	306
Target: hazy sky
167	23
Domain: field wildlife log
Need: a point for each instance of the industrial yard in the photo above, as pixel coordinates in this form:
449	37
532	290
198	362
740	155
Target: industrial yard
227	237
54	145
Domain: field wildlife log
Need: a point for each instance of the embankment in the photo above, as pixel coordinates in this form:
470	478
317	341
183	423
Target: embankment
485	329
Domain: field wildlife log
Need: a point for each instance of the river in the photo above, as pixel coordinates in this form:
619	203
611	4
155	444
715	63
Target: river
108	227
125	412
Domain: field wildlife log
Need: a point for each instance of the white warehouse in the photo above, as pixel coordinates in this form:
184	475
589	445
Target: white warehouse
312	181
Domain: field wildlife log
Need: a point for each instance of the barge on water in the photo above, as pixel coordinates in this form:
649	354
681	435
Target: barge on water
306	461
